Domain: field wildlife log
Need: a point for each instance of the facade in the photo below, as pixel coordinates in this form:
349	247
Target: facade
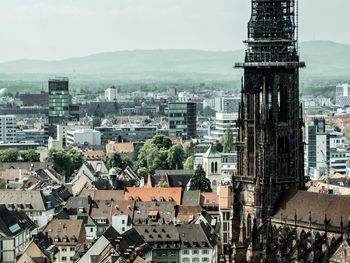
15	230
30	99
212	167
67	235
33	203
342	98
84	136
32	135
7	129
59	100
223	121
270	148
339	160
126	133
111	94
183	119
227	104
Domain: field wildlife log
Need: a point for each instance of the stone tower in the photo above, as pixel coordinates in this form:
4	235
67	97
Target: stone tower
270	148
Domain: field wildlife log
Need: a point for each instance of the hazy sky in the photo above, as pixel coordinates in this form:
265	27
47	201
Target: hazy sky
56	29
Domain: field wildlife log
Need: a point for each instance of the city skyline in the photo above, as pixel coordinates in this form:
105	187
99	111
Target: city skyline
51	30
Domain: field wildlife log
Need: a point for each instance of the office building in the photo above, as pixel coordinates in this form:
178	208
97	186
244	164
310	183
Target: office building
227	104
84	136
183	119
7	129
342	98
59	100
223	121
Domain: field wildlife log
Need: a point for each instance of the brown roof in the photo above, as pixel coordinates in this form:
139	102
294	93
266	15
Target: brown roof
107	208
65	231
103	210
147	194
186	214
94	154
103	194
319	206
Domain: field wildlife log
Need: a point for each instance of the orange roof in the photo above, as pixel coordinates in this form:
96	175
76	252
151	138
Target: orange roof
147	194
121	147
338	176
209	199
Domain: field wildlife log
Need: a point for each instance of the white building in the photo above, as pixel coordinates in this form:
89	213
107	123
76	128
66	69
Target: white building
111	93
121	222
223	121
342	98
7	129
84	136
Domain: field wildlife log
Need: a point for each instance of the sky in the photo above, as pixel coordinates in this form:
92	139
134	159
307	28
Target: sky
52	29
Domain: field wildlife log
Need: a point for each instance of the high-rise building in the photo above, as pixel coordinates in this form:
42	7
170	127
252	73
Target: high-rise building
183	119
318	126
7	129
111	93
59	100
342	97
270	148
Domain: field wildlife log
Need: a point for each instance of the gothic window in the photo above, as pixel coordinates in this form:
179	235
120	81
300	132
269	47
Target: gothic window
216	167
212	167
249	226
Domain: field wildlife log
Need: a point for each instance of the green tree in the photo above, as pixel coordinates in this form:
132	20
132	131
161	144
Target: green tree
218	146
9	156
154	153
143	172
188	164
162	184
116	160
187	146
176	157
161	141
30	156
120	161
66	161
227	141
199	181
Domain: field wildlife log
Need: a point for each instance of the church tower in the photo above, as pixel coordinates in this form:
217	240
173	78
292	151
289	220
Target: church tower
270	148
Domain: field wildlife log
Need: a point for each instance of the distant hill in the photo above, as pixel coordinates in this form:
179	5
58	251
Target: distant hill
325	60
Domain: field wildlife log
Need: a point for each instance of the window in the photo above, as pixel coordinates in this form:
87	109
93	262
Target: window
205	259
185	260
195	252
123	222
64	258
72	249
195	259
64	249
185	252
205	251
123	229
91	229
71	258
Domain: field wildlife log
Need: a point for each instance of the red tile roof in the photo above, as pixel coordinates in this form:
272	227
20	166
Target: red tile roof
147	194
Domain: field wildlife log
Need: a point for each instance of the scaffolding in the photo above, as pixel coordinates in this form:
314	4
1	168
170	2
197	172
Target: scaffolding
272	32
